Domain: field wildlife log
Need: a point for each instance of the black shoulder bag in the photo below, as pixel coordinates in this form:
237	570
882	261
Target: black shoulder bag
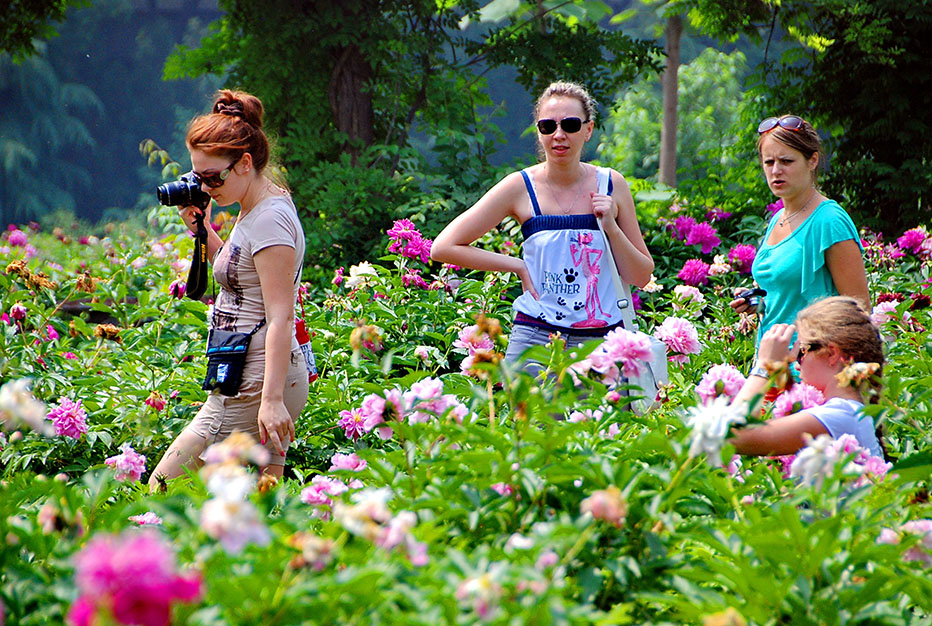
226	356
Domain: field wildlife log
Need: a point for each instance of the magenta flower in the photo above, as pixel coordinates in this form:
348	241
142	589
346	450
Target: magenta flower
350	462
131	576
18	312
403	230
156	401
177	289
502	489
742	256
705	235
69	418
798	398
720	380
338	276
776	206
413	277
681	338
682	226
717	215
910	241
51	332
695	272
129	465
352	423
18	238
146	519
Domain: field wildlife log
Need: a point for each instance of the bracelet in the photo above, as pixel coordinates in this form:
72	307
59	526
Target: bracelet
758	371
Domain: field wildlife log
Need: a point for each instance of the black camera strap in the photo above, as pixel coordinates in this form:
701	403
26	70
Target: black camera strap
197	275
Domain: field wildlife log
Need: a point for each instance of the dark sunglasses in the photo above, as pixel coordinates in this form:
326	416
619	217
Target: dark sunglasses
215	180
806	349
789	122
568	124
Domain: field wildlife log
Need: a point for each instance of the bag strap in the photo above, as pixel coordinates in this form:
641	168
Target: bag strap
197	274
622	290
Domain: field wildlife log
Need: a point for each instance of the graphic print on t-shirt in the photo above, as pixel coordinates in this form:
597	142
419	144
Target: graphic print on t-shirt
587	260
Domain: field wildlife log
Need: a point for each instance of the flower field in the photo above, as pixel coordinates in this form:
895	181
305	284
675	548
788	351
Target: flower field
430	483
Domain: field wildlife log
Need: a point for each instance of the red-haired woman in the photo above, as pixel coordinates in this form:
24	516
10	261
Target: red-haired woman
258	269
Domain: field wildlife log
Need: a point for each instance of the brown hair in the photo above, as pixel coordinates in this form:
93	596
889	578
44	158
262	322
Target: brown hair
233	128
805	140
567	90
842	321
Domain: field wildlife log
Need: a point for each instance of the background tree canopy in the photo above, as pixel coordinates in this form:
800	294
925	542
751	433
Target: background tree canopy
384	110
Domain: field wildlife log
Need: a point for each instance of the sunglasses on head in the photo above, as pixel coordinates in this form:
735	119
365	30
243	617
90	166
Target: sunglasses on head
806	349
216	179
568	124
789	122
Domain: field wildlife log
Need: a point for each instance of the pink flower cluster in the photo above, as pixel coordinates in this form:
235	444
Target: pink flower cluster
797	398
720	380
474	342
916	241
741	257
129	465
69	418
922	530
406	240
705	235
695	272
132	577
621	353
423	402
681	337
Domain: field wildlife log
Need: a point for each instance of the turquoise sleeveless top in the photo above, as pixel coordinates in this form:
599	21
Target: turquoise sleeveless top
793	271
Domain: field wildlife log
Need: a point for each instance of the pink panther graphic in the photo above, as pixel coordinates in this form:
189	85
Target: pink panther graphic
589	260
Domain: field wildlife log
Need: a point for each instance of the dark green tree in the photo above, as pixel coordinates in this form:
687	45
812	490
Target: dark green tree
35	176
377	106
22	22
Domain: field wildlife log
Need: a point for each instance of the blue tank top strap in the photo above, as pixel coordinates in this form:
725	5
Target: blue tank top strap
530	192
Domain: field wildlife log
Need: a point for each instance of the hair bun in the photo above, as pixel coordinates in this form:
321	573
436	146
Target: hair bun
234	109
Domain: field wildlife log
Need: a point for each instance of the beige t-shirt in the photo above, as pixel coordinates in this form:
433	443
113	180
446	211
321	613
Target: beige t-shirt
239	306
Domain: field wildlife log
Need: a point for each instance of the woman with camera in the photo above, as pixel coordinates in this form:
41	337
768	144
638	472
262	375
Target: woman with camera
811	249
258	269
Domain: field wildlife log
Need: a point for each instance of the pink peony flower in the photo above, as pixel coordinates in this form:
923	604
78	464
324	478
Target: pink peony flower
883	312
720	380
471	339
921	528
338	277
742	257
18	238
412	277
503	489
69	418
146	519
681	338
321	489
798	398
51	332
621	347
695	272
128	465
132	576
705	235
682	226
910	241
606	504
403	230
352	423
775	207
350	462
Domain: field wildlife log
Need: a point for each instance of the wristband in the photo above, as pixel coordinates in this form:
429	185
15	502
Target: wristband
758	371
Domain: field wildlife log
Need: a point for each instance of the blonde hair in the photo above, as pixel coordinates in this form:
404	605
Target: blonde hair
842	321
567	90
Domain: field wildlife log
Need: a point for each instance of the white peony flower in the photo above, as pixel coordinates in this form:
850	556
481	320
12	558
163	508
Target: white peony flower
710	424
816	461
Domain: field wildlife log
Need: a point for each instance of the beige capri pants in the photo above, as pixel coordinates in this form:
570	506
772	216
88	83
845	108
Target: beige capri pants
220	415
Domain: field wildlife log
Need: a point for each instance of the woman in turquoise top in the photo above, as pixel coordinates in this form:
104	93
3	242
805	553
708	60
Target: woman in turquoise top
811	249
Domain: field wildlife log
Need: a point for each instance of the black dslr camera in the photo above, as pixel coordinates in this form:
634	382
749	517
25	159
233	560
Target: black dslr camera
752	296
186	191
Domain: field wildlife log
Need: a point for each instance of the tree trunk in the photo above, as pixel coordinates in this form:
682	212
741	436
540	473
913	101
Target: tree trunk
670	83
351	105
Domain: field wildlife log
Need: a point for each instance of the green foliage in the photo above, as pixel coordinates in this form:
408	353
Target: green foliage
23	22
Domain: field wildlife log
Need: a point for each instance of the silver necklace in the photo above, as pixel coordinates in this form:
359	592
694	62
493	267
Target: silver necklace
579	184
786	218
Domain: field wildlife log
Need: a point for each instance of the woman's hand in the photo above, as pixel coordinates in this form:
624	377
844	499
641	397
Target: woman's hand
604	208
742	305
775	345
189	213
526	283
275	424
